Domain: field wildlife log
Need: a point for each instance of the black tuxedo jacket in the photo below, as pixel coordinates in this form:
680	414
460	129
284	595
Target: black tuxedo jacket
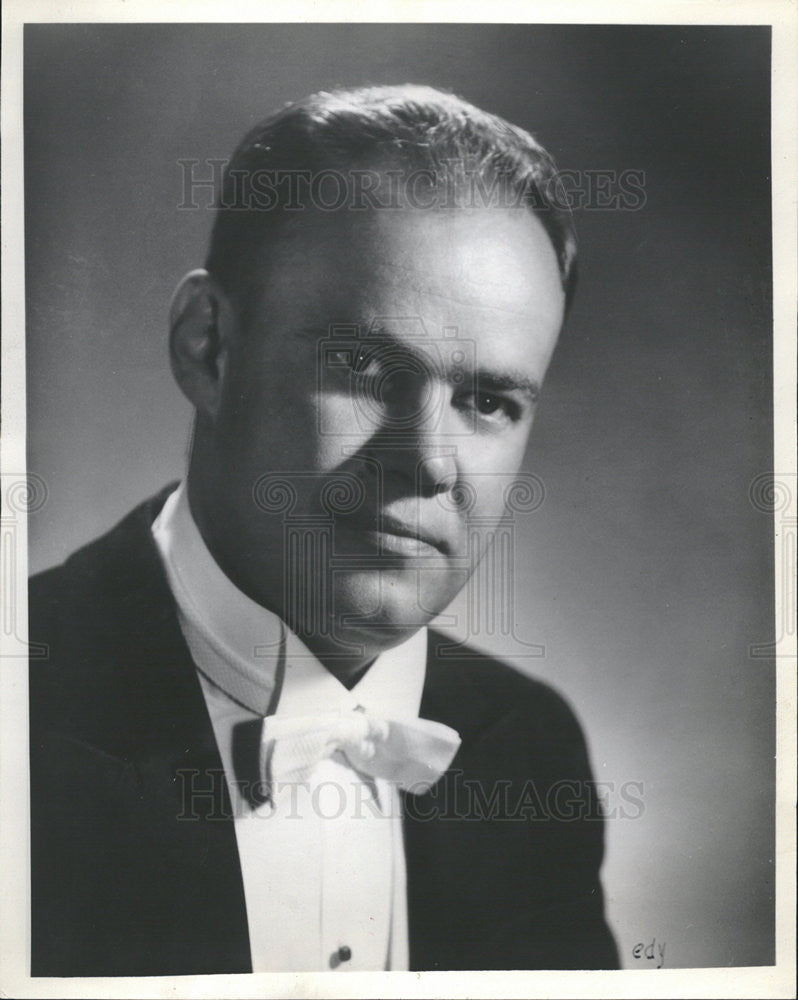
503	855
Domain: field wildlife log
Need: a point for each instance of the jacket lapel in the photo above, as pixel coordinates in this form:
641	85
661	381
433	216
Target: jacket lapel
181	838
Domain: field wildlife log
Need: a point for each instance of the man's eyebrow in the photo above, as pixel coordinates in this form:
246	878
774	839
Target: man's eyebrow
321	332
347	334
507	381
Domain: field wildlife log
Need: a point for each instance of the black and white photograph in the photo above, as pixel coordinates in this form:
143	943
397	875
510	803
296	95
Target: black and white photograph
399	504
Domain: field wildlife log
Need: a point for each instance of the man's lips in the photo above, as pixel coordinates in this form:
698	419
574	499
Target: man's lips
395	535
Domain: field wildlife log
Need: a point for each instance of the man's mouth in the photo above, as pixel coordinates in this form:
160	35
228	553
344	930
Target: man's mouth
392	535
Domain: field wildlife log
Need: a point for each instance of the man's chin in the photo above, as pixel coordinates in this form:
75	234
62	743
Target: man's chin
382	609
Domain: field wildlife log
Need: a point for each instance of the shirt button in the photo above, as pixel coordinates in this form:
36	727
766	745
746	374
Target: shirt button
343	954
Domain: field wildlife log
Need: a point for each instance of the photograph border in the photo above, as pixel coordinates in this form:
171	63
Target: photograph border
770	981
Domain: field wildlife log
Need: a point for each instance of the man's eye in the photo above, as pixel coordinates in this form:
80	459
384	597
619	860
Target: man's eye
361	364
491	408
487	404
364	362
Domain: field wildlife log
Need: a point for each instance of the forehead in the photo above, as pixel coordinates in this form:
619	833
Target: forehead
446	266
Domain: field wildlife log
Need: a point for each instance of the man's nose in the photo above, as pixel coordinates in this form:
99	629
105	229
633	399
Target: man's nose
420	428
436	466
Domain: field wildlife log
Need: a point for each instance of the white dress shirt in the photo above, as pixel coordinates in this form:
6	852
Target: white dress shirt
323	863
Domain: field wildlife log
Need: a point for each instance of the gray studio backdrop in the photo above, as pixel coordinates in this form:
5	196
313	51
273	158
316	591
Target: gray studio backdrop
644	579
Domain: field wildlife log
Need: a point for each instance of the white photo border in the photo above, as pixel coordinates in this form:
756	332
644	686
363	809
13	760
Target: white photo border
772	981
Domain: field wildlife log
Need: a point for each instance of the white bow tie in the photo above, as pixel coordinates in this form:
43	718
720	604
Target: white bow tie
413	753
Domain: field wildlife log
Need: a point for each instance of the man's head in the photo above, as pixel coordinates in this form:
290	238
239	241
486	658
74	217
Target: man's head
386	281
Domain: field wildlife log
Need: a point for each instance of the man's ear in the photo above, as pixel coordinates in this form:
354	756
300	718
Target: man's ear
201	321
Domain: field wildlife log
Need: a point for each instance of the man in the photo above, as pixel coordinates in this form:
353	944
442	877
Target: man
248	752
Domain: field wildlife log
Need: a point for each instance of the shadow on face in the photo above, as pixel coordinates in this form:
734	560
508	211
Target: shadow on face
368	419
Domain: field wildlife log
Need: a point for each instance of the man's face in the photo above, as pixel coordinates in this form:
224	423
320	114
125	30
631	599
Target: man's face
375	410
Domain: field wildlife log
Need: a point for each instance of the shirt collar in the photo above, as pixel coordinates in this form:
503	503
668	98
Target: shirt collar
249	653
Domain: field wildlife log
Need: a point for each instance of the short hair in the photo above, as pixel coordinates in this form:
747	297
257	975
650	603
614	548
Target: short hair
410	131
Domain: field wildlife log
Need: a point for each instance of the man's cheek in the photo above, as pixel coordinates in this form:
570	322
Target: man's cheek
339	427
485	497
